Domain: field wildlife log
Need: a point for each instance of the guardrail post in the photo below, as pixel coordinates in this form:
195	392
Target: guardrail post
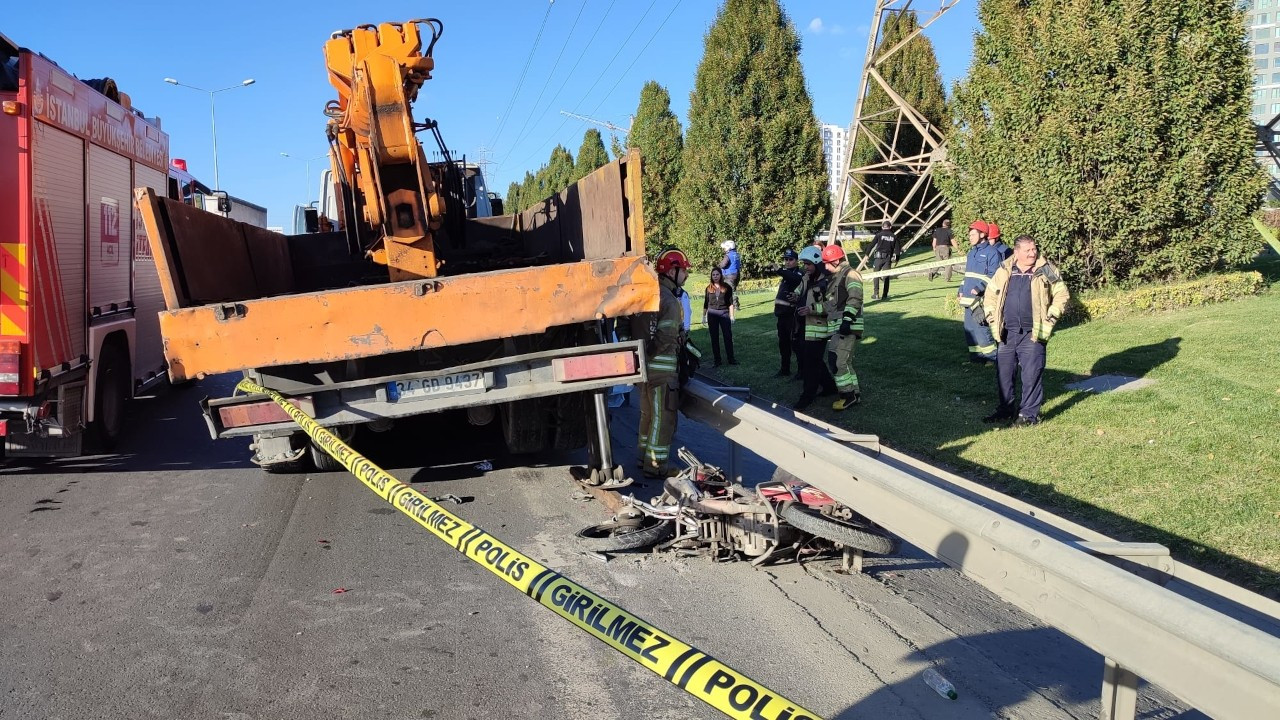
1119	692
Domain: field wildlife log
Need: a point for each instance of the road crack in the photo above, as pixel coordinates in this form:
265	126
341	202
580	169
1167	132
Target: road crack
888	625
891	687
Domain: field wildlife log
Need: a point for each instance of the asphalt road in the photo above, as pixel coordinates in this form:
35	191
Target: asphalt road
175	580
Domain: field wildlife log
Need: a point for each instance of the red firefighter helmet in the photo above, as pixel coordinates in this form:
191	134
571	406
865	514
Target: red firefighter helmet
832	253
671	259
994	231
981	226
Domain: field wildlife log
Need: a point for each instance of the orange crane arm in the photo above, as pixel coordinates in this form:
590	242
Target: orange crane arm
377	71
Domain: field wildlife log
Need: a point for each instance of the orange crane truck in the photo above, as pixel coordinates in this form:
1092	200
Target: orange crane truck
416	303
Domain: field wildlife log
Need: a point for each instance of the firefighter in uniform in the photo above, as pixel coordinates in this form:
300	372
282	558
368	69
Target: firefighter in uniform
977	273
660	398
844	316
811	308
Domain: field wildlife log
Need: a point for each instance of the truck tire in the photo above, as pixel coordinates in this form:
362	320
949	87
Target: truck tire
524	426
574	417
114	390
837	531
323	461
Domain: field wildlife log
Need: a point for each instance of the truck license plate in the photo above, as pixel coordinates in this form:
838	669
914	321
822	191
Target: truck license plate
456	384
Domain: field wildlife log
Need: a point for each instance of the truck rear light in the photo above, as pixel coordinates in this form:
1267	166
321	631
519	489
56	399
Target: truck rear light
10	367
11	107
265	412
590	367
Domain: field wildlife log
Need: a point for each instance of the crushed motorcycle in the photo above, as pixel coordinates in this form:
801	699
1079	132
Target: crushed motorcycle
700	510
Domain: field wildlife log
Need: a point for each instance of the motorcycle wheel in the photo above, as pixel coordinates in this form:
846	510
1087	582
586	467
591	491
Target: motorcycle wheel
837	531
618	536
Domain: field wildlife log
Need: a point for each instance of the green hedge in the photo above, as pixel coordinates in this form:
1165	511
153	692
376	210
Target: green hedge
1153	298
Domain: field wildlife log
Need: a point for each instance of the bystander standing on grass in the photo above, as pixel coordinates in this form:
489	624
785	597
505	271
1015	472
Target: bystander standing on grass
1024	300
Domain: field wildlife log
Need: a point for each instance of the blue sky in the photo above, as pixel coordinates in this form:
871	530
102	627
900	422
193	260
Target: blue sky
592	58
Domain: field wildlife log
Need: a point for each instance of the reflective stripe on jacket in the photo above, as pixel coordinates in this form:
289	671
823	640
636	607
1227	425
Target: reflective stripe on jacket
662	363
845	290
813	295
1049	296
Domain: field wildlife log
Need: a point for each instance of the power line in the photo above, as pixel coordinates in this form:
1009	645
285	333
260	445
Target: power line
520	83
599	77
566	78
623	74
556	64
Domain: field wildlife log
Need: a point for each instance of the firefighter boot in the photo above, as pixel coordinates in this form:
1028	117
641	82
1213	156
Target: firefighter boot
846	400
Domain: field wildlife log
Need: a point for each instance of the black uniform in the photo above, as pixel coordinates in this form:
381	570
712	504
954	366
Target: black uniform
784	310
884	251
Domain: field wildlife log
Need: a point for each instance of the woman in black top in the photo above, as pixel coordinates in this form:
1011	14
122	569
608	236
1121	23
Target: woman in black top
717	312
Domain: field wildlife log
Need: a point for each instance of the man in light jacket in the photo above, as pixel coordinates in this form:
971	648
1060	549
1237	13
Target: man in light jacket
1023	302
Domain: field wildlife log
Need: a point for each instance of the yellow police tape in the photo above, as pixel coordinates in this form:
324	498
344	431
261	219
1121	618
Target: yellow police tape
683	665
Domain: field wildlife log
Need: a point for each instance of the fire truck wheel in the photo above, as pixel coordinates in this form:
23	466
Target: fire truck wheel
837	531
113	394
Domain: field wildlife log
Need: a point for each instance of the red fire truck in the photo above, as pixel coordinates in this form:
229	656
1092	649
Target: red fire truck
79	292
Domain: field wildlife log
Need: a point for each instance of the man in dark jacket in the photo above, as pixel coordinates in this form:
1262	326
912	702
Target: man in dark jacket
784	309
884	253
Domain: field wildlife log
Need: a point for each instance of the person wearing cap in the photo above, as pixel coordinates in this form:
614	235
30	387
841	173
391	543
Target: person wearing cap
660	393
884	253
944	241
977	273
844	317
731	263
1025	299
999	251
784	309
811	307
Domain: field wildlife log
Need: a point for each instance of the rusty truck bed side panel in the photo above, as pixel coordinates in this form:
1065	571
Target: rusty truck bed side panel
397	317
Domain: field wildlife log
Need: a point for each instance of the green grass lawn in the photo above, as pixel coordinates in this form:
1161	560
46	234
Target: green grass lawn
1192	462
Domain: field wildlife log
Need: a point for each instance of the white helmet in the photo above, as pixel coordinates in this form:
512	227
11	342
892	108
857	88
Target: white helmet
729	245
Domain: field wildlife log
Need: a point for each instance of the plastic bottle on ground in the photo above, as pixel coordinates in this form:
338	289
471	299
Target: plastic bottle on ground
940	684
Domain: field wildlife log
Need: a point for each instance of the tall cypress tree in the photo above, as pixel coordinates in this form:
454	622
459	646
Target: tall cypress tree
913	73
591	155
511	204
752	168
655	132
557	174
1115	132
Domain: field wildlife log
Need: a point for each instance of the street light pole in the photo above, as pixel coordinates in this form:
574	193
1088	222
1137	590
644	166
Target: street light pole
213	119
308	161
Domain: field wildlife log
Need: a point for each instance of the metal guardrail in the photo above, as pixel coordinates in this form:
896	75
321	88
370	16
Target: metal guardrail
1211	661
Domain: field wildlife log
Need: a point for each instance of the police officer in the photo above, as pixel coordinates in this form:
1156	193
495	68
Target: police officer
844	316
661	392
811	308
884	253
977	273
784	309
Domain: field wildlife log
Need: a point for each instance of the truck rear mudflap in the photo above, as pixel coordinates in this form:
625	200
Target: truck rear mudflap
491	382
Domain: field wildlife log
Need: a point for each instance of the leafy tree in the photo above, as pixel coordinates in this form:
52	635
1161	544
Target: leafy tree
913	73
591	155
655	132
1115	132
616	147
752	168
